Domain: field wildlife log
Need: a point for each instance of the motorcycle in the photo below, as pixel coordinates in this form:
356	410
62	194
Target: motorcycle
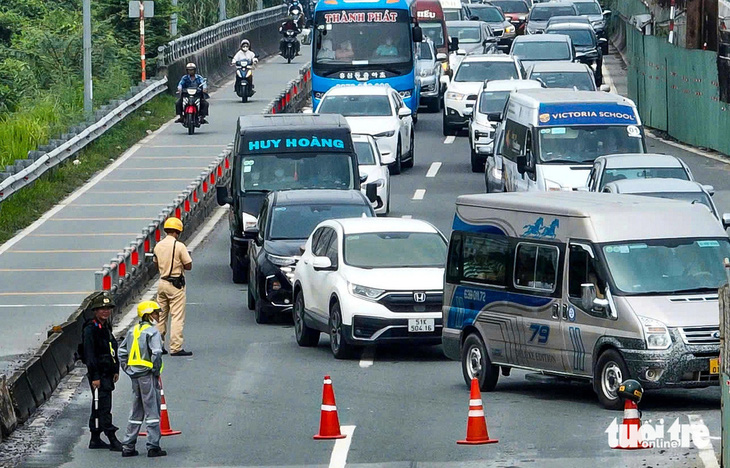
288	45
191	108
244	73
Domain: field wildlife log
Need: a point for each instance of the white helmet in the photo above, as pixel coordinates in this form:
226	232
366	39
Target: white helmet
190	65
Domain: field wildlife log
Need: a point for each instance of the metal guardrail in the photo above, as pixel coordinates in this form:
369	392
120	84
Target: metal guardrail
184	46
26	171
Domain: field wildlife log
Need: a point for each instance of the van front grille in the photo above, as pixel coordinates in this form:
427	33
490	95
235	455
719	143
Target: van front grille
700	335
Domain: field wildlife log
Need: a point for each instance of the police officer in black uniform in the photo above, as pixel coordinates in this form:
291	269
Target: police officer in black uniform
100	357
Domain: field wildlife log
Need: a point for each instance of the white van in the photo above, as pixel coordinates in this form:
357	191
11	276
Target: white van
552	136
584	285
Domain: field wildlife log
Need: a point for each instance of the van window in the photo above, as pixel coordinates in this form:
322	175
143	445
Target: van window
453	265
536	267
433	31
583	268
514	140
485	259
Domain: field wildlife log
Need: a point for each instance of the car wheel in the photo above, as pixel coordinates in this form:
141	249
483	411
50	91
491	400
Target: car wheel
261	315
397	166
251	300
306	337
387	202
476	165
434	105
445	127
487	168
340	348
415	118
412	153
239	271
475	363
610	371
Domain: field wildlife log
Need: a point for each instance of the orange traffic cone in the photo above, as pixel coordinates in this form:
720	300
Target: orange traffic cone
329	423
629	437
476	427
165	429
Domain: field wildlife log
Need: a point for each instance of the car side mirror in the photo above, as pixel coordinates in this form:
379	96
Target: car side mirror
709	189
302	249
607	13
726	220
491	40
417	34
454	44
473	18
494	117
321	263
591	303
521	164
441	57
222	196
404	112
363	178
605	88
251	233
371	192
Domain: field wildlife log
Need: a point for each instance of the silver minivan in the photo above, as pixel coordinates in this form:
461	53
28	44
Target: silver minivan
582	285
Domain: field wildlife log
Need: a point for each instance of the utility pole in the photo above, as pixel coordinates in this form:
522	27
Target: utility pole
222	10
88	85
173	20
141	41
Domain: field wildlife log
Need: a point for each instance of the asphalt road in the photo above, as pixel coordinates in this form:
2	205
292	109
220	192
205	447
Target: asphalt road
250	396
47	270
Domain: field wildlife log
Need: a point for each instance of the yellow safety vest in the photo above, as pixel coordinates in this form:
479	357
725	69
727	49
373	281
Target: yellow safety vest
135	358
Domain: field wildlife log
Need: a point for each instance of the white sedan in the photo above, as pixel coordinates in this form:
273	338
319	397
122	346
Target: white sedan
370	166
366	281
376	110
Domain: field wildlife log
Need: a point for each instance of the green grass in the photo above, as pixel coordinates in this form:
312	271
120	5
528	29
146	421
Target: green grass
30	203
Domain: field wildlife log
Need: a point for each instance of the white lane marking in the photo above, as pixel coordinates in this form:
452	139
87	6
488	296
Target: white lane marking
449	139
367	358
407	216
68	200
342	446
433	170
419	194
707	452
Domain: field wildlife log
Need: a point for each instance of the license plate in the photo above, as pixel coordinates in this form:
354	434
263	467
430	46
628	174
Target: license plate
421	325
714	366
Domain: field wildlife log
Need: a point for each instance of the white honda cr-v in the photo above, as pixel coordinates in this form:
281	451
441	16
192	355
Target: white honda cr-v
366	281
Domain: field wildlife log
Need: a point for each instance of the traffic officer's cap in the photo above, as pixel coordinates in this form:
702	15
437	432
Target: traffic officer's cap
101	300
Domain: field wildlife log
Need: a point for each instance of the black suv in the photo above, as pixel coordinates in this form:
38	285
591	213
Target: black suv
588	48
286	220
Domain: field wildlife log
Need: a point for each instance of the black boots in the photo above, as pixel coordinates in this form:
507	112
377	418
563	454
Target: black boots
97	443
129	453
114	444
156	452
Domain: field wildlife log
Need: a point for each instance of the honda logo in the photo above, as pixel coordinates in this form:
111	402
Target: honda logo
419	297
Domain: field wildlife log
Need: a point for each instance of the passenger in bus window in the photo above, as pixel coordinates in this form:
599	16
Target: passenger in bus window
344	51
326	52
388	49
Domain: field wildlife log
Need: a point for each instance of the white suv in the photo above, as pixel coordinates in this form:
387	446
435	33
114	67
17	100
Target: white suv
370	165
366	281
376	110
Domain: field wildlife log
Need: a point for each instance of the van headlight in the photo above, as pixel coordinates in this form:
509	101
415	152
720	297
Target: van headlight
455	96
365	292
656	333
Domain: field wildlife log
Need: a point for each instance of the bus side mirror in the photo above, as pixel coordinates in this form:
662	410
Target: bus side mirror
222	196
417	34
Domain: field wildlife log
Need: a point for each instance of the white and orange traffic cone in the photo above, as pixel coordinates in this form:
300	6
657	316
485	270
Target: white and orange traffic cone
629	436
165	429
329	423
476	427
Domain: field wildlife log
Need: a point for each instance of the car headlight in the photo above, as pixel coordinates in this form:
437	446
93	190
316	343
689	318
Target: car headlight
279	260
509	29
366	292
455	96
387	134
404	94
248	221
656	333
552	186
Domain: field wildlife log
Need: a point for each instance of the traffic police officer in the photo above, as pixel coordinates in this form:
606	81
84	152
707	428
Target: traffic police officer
141	358
172	259
100	357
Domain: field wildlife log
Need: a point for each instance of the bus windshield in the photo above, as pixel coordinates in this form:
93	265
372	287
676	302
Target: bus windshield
365	39
583	144
433	31
264	173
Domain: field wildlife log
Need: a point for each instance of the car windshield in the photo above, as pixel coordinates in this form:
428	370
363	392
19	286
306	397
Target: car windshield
433	31
365	153
510	6
466	34
492	101
588	8
534	50
296	171
452	15
424	52
480	71
667	266
691	197
488	14
298	221
581	80
395	250
580	37
545	13
612	175
356	106
583	144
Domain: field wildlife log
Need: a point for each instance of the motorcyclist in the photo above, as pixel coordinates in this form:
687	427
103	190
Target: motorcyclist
192	80
245	53
289	25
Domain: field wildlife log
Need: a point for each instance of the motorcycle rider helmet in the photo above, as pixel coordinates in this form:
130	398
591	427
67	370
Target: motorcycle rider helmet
245	43
630	390
190	66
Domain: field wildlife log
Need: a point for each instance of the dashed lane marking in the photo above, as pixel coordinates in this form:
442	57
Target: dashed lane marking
707	451
419	194
341	448
434	169
367	358
449	139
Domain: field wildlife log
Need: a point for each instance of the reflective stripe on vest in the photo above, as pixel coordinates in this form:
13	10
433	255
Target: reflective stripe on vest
135	358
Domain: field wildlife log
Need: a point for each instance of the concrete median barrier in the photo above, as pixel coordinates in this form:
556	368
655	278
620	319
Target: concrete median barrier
8	420
53	375
22	395
40	387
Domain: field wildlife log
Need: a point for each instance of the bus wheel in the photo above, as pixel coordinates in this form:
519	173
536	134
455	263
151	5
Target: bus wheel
475	363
